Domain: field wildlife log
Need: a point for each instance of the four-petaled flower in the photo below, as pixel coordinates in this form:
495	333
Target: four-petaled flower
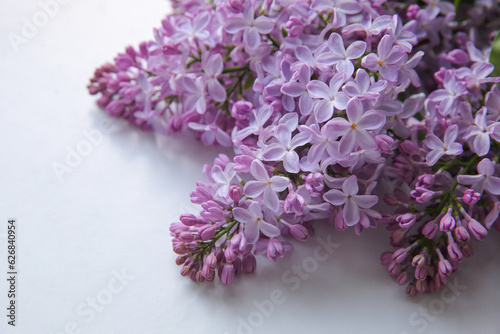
446	147
350	199
329	97
254	223
485	179
268	186
213	67
340	56
386	59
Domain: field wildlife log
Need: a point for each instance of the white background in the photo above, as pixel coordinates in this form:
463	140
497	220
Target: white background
112	213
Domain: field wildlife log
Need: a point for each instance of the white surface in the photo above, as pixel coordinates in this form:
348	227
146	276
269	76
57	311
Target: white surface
113	211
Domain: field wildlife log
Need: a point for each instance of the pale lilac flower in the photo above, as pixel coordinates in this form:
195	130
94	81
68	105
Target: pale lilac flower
211	134
252	27
475	54
480	133
446	147
324	143
350	199
222	179
340	9
306	57
257	122
191	29
213	68
484	180
269	186
329	97
284	149
449	96
299	89
254	223
386	59
406	71
354	129
369	27
404	36
362	87
195	95
340	56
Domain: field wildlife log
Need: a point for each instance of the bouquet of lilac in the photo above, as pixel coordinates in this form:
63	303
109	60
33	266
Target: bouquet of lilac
332	107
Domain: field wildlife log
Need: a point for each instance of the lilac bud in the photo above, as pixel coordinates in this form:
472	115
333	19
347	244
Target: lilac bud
179	248
397	237
421	285
340	223
471	197
274	249
477	230
249	264
430	229
211	261
467	250
386	258
407	220
408	147
445	267
295	26
115	108
403	278
421	272
241	110
400	255
457	57
236	6
391	199
170	49
192	275
426	180
227	275
411	290
235	192
394	269
189	219
461	234
447	223
180	260
186	270
385	143
206	232
186	237
237	265
314	181
230	255
175	123
418	260
299	232
454	252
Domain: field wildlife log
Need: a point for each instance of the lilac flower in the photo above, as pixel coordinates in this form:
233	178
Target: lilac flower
195	95
191	29
446	147
354	130
299	89
257	122
406	71
450	95
284	149
213	68
362	87
386	59
252	27
254	223
269	186
330	97
324	143
484	180
340	56
340	9
350	199
223	179
211	134
306	57
480	133
404	36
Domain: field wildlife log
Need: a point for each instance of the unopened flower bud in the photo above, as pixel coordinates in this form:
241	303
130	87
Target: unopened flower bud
189	219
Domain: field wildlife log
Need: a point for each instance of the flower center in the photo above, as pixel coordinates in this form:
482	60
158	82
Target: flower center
380	63
353	126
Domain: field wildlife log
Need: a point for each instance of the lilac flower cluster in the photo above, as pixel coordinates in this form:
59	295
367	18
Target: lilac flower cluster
323	102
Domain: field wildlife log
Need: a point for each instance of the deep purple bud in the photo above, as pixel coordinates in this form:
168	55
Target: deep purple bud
385	143
189	219
477	230
299	232
403	278
186	237
421	285
206	232
461	234
426	180
418	260
447	223
241	110
235	192
391	199
430	229
445	267
471	197
407	220
408	147
394	269
186	270
227	275
249	263
180	260
400	255
454	252
386	258
411	290
421	272
179	248
457	57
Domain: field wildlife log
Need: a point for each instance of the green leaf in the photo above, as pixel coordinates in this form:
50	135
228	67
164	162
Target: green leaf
495	55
